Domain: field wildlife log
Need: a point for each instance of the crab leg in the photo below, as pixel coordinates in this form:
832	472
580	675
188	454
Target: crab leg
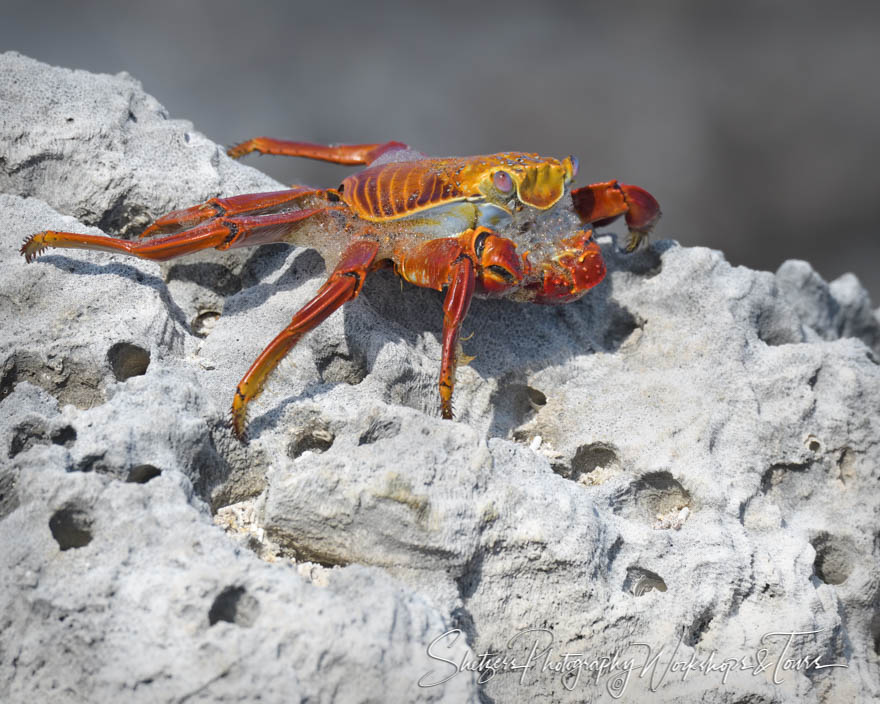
348	154
455	308
344	284
250	203
602	203
457	263
244	231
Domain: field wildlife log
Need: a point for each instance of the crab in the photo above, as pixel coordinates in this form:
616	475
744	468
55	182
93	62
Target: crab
501	225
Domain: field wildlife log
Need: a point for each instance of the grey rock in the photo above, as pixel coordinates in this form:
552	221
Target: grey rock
126	591
115	581
688	458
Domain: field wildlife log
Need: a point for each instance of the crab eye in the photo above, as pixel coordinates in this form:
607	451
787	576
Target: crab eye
574	166
502	181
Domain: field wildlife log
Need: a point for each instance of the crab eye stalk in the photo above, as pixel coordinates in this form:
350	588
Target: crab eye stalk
570	164
503	182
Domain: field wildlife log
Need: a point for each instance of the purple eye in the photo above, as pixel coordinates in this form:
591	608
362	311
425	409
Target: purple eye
574	166
502	181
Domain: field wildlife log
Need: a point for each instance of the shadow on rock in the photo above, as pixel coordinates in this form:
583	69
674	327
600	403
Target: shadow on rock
125	271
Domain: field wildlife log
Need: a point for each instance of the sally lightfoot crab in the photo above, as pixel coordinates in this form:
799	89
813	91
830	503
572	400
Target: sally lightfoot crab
503	225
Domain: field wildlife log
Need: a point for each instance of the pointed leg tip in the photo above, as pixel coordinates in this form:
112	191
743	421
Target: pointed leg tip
236	151
238	424
634	241
33	246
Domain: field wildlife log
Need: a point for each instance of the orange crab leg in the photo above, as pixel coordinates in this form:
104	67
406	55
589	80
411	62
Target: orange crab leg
348	154
245	231
343	285
602	203
250	203
455	308
476	257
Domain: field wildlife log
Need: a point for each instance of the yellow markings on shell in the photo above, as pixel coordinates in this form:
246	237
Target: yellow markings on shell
543	185
400	189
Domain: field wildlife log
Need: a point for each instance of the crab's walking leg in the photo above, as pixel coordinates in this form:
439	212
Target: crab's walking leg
455	308
456	263
344	284
602	203
250	204
244	231
348	154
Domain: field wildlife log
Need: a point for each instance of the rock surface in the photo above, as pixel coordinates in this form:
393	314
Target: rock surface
686	458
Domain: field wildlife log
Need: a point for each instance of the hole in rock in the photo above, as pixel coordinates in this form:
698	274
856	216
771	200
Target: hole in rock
71	527
336	366
234	605
781	472
621	325
518	402
535	398
834	558
127	360
813	444
215	277
67	380
124	217
640	581
593	460
31	431
652	497
65	436
776	326
316	439
143	473
204	323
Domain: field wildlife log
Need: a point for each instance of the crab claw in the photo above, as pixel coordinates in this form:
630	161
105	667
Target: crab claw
643	214
500	267
602	203
571	273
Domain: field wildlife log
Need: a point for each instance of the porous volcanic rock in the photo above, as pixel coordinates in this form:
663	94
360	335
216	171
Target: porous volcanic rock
664	474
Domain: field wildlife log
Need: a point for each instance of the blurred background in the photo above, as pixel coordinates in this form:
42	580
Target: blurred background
755	124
